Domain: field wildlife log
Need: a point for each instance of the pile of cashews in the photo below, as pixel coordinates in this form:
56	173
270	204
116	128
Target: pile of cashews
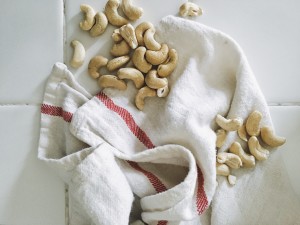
250	132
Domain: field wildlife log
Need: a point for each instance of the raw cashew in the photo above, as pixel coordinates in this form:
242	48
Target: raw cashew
248	160
89	20
153	81
231	179
132	74
140	31
139	61
163	92
222	169
95	64
221	137
253	122
256	150
111	81
157	57
229	124
190	9
141	95
231	160
242	132
132	12
166	69
78	55
111	12
128	33
120	49
116	36
270	138
100	25
117	63
150	42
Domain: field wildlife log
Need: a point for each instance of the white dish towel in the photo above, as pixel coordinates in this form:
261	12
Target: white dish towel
123	165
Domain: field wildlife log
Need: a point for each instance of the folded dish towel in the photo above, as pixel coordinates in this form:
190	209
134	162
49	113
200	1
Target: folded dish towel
123	165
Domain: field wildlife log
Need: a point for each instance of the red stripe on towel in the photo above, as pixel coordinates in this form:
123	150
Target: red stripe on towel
201	199
162	222
56	111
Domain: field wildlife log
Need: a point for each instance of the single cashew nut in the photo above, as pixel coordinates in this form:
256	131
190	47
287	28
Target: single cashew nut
100	25
139	61
222	169
248	160
117	63
231	160
132	74
256	150
229	124
132	12
95	64
89	19
163	92
111	12
116	36
153	81
231	179
150	42
143	93
243	133
120	49
111	81
78	54
221	137
190	9
140	31
157	57
128	33
166	69
253	122
270	138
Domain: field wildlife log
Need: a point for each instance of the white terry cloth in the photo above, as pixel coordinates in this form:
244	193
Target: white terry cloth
165	155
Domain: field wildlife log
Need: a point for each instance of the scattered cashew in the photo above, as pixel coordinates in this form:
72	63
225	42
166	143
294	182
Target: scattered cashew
78	55
231	160
190	9
117	63
242	132
138	59
252	124
166	69
100	25
141	95
229	124
163	92
140	31
222	169
247	160
89	20
157	57
153	81
231	179
120	49
256	150
95	64
270	138
221	137
111	12
116	36
128	33
132	12
132	74
111	81
150	42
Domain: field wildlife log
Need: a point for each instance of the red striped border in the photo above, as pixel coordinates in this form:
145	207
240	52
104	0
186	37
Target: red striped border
56	111
162	222
201	199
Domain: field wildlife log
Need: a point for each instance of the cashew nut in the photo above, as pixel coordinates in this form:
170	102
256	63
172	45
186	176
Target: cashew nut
111	12
78	54
190	9
89	20
132	12
270	138
248	160
252	124
229	124
222	169
111	81
116	36
120	49
117	63
141	95
166	69
243	133
231	160
153	81
221	137
132	74
100	25
139	61
127	32
231	179
140	31
157	57
163	92
256	150
95	64
150	42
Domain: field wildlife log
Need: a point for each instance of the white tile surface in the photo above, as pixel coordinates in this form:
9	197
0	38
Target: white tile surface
30	193
31	41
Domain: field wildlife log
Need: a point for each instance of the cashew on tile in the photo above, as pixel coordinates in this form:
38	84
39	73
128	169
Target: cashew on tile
132	12
231	160
120	49
253	123
167	68
140	31
78	54
89	19
229	124
222	169
149	40
270	138
139	61
128	33
242	133
117	63
247	160
190	9
116	36
157	57
111	12
95	64
100	25
132	74
153	81
221	137
163	92
256	150
111	81
143	93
